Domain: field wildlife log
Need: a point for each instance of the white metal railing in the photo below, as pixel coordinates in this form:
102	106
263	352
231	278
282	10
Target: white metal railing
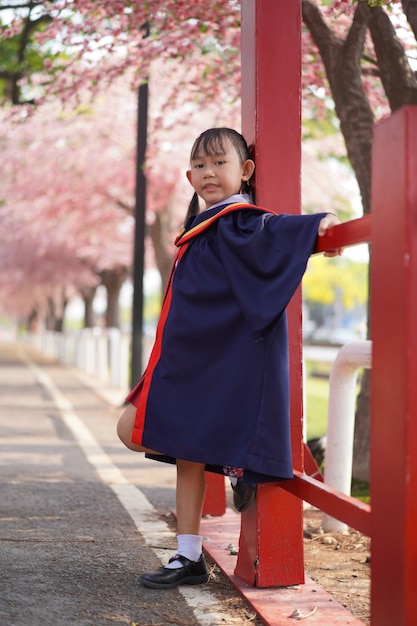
341	420
102	353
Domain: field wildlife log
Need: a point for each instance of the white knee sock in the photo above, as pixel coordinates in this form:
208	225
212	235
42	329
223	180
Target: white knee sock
189	546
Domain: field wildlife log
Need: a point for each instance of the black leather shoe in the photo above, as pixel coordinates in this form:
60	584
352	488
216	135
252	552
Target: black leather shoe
242	495
192	573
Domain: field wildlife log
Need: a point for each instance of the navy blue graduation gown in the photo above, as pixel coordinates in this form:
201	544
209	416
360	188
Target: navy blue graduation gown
216	389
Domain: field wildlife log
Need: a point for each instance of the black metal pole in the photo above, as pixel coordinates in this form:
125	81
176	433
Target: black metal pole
139	238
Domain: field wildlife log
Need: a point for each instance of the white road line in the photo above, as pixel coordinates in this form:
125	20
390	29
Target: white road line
205	605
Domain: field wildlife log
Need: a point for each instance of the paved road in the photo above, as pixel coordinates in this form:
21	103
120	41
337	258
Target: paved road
80	516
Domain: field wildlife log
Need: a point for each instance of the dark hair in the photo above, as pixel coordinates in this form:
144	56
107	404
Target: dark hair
212	141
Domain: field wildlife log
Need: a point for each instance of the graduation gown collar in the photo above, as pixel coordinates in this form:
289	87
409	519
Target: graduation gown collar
206	219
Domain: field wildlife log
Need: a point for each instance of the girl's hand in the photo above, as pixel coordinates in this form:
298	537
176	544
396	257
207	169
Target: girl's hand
327	222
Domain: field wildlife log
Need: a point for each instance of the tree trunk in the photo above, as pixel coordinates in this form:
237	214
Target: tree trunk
54	319
397	77
113	280
33	321
50	317
59	321
163	256
361	444
87	294
410	9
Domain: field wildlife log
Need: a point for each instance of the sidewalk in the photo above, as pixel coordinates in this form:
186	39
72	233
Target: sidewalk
70	553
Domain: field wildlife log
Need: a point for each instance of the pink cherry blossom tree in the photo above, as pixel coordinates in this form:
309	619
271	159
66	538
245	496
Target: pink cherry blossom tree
62	228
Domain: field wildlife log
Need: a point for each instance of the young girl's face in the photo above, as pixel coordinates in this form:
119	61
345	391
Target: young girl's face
217	176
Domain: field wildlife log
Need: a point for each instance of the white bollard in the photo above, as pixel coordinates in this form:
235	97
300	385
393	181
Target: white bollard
101	354
115	363
79	350
125	360
70	349
89	353
341	420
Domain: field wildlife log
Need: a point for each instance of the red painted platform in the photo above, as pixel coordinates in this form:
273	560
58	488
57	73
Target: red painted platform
274	605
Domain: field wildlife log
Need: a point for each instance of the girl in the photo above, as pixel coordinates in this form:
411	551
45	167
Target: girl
215	394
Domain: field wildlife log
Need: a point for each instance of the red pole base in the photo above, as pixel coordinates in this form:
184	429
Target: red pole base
215	501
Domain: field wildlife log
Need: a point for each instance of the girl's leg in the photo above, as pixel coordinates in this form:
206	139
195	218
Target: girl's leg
191	483
125	429
191	490
188	566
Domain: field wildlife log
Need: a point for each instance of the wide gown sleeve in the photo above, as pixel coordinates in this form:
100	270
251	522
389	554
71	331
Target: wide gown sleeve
264	257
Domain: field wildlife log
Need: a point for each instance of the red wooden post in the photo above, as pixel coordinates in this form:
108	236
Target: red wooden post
271	544
394	372
215	500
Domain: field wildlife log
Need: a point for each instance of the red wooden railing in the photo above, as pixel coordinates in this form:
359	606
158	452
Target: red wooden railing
391	520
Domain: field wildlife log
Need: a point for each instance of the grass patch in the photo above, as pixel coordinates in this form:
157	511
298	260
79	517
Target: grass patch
360	490
318	368
317	402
